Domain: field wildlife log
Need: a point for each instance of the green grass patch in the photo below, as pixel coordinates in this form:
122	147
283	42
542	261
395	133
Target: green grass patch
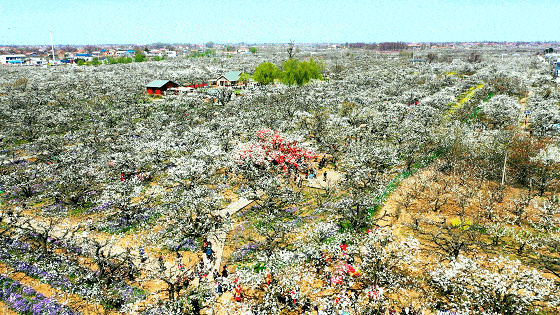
488	97
475	115
132	227
20	141
80	210
345	226
258	267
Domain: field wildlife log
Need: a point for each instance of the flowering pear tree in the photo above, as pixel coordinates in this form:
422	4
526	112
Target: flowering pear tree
547	167
544	116
113	265
43	232
495	286
385	261
549	258
501	110
275	215
190	215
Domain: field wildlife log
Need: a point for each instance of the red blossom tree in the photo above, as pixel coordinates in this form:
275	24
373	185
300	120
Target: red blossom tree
274	149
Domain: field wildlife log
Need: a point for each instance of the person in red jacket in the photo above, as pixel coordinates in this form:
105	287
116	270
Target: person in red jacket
237	294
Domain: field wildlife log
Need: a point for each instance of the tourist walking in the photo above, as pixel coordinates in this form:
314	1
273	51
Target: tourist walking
161	263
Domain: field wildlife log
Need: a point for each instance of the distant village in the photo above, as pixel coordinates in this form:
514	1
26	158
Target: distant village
47	55
66	54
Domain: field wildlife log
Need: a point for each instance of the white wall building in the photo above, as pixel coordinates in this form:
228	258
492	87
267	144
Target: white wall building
36	61
12	59
122	53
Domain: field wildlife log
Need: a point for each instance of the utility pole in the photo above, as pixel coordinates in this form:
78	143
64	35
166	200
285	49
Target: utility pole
52	46
504	170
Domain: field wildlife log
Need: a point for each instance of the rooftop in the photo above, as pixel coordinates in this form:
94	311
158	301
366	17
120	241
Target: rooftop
157	83
233	75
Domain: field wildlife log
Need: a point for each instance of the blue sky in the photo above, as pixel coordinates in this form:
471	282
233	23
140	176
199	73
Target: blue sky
272	21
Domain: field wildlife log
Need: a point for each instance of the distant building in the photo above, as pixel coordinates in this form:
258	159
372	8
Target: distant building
252	83
11	59
183	89
154	53
36	61
195	86
122	53
158	87
86	57
229	79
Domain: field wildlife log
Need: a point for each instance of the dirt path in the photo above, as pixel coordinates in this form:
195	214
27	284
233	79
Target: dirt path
219	238
319	182
225	303
523	103
391	206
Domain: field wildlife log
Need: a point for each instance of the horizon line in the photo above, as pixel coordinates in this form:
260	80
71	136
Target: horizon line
287	43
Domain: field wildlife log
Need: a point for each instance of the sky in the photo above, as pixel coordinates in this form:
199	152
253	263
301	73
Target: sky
81	22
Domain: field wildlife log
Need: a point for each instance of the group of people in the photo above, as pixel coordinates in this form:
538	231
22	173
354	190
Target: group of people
206	264
307	172
310	174
223	284
336	269
221	278
136	174
375	293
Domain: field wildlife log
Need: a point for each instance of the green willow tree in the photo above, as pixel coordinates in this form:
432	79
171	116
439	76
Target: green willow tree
139	57
295	72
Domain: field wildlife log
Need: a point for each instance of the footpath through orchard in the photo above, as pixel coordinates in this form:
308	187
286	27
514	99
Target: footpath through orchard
121	244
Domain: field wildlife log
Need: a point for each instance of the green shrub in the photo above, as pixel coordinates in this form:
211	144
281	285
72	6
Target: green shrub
265	73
